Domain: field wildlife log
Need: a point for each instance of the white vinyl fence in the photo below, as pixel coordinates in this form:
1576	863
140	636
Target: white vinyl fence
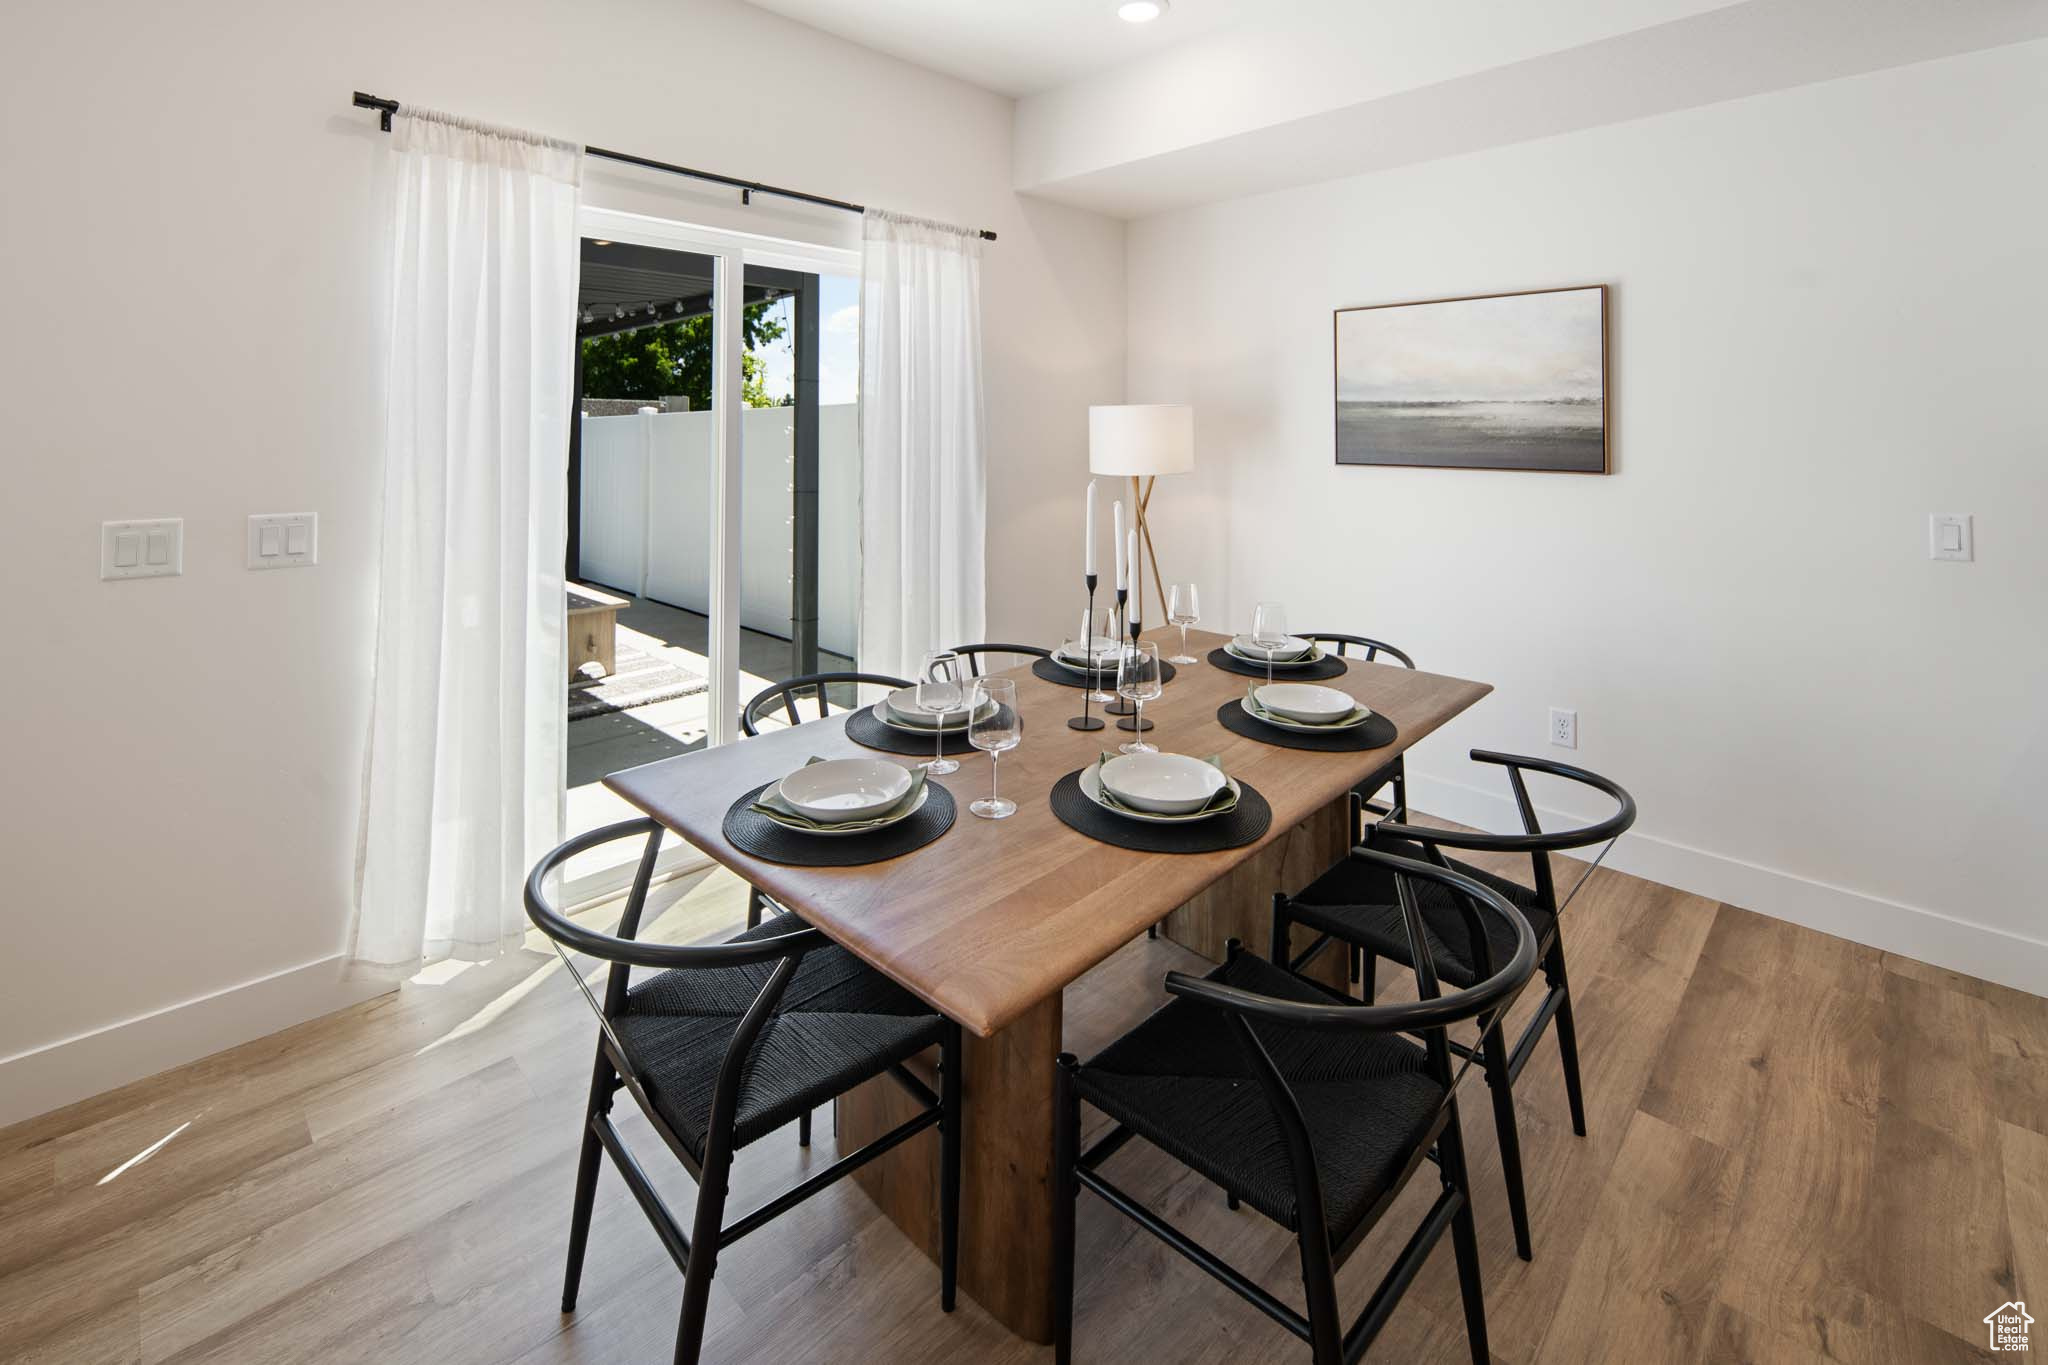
645	522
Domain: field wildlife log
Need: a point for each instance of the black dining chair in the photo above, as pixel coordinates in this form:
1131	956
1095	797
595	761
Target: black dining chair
1394	774
1309	1106
974	654
726	1043
788	693
1356	903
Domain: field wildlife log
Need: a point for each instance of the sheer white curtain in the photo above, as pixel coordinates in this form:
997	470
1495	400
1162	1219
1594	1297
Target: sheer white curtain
464	774
924	500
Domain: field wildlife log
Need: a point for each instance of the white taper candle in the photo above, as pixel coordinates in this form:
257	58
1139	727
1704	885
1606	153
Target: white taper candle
1088	544
1131	553
1117	543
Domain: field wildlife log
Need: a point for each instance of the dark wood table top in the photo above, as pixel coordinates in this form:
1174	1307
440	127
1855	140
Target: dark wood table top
997	915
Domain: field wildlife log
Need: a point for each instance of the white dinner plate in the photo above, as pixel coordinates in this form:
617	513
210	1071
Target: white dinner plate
1278	665
1358	718
1306	702
901	709
1106	663
924	794
1091	787
1294	647
1162	784
845	788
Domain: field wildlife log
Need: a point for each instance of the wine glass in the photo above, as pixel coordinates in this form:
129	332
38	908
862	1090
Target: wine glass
1137	682
1183	609
994	726
1269	631
940	692
1096	626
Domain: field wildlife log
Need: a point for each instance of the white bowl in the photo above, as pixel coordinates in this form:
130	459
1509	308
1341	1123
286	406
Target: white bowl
1305	702
846	788
1097	650
1171	784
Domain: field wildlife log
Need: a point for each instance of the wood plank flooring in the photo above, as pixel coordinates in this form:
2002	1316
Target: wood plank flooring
1799	1149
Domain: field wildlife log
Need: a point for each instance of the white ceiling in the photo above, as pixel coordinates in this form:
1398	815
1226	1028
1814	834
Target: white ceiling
1015	47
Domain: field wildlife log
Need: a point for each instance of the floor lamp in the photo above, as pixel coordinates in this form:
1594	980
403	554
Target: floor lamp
1141	441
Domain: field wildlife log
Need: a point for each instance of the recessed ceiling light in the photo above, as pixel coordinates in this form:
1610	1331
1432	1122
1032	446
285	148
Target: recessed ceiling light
1141	11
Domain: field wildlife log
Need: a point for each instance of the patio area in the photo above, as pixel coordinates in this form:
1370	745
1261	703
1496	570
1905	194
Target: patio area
668	645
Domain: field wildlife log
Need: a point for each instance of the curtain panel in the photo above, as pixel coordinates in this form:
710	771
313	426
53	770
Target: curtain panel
923	460
463	781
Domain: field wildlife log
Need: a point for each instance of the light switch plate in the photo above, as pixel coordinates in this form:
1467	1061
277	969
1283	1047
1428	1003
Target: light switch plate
142	549
1949	537
284	540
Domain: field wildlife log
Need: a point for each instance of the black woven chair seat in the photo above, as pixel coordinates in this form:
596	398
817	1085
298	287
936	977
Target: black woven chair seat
1180	1081
839	1023
1356	902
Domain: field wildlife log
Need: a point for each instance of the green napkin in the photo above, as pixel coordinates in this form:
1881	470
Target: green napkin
771	804
1258	710
1224	800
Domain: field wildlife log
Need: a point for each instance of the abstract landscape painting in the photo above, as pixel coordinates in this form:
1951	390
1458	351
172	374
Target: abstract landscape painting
1508	381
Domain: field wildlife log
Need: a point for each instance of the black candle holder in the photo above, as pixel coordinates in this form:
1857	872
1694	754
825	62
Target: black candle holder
1120	707
1084	721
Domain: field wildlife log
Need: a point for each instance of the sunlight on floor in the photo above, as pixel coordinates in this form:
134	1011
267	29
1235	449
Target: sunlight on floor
440	973
147	1152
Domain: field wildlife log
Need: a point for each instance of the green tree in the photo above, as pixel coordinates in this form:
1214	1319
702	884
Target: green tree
655	362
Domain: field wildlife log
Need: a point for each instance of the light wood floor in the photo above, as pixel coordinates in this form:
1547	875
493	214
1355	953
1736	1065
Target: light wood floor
1800	1149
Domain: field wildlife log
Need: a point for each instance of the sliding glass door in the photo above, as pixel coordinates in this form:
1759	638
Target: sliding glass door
713	493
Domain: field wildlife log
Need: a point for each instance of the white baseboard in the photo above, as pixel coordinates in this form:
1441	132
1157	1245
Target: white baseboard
1913	931
71	1069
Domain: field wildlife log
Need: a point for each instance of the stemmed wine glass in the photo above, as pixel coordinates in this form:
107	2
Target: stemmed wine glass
994	726
1097	626
1183	609
1269	631
1137	682
939	692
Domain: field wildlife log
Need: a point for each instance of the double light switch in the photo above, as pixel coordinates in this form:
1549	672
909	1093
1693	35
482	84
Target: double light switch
283	540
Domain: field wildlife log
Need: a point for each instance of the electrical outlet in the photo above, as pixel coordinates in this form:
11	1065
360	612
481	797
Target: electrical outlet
1564	728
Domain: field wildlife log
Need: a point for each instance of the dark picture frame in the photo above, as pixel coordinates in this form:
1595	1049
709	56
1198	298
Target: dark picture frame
1514	381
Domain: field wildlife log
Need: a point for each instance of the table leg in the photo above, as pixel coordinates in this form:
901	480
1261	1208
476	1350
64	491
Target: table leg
1240	906
1005	1167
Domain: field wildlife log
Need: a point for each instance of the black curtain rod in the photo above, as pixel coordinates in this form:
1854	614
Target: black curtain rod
747	188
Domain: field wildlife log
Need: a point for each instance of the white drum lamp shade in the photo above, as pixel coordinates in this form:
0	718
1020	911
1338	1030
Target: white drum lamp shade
1141	439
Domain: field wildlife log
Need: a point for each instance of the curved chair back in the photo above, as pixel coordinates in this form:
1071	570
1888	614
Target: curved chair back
1534	839
1373	648
624	951
975	653
790	690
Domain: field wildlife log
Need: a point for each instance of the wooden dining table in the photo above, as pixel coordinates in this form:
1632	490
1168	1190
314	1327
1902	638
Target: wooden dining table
992	922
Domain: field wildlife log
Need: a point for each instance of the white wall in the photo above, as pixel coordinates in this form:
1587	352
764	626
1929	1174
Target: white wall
1827	323
189	257
621	522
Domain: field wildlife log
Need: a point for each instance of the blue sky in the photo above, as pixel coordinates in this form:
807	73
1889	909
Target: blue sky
838	344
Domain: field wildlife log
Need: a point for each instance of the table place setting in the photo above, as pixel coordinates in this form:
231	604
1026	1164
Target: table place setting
1090	665
1268	649
840	812
1294	715
930	717
1161	803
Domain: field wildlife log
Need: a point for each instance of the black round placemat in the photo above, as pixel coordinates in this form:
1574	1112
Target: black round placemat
1376	733
1329	666
1102	679
864	727
751	832
1241	826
